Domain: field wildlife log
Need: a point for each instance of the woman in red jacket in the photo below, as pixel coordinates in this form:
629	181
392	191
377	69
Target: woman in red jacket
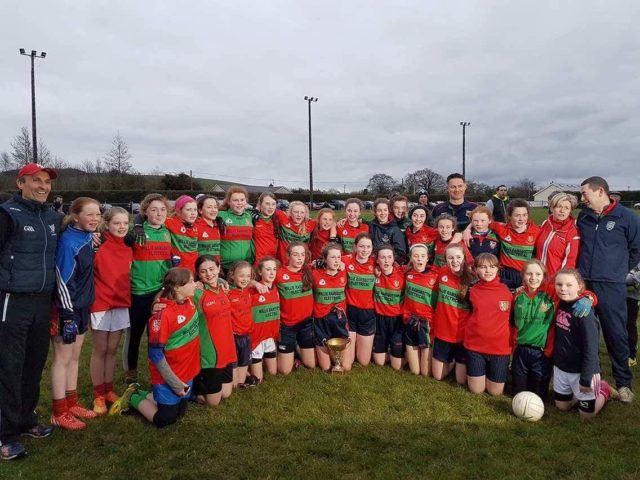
558	242
486	336
110	310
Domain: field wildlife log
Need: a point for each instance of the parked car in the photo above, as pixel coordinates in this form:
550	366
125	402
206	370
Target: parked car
636	205
134	207
367	204
282	205
337	204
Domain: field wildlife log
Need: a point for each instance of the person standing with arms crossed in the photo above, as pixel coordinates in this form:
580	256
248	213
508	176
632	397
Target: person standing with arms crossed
28	239
609	249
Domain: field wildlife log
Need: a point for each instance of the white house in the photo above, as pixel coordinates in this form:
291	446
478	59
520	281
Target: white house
541	197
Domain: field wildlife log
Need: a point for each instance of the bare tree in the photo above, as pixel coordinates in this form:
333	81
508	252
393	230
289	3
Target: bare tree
58	163
5	161
381	183
424	178
87	166
525	188
44	154
117	160
21	151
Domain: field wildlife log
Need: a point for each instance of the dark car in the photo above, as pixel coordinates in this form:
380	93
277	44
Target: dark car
282	205
367	204
337	204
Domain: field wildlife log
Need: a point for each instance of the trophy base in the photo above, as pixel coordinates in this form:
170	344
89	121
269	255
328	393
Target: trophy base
337	370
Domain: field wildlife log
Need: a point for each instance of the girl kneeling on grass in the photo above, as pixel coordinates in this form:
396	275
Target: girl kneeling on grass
576	371
174	354
486	336
76	293
217	346
329	311
452	311
110	310
419	299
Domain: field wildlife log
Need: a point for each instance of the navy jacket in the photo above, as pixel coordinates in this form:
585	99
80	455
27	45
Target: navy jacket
461	212
389	233
74	262
609	244
27	246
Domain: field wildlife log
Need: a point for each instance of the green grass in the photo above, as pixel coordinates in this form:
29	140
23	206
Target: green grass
369	423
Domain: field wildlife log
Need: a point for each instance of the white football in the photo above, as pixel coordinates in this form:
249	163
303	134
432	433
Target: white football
528	406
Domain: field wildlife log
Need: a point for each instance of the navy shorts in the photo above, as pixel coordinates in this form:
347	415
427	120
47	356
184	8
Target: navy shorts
495	367
388	337
210	380
417	335
300	334
530	361
361	320
510	277
243	350
447	352
329	327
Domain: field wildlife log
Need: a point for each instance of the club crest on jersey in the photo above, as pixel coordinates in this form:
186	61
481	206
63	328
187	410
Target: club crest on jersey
370	268
156	324
544	307
504	306
261	299
181	319
530	239
166	237
351	267
285	277
432	282
342	281
445	278
52	228
205	235
183	230
493	244
228	221
345	232
322	282
410	277
610	225
385	238
396	283
288	225
507	238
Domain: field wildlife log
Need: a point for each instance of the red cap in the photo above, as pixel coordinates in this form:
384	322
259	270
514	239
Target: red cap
33	168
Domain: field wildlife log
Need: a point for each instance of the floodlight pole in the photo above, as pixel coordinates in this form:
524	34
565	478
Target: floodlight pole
309	100
33	56
464	126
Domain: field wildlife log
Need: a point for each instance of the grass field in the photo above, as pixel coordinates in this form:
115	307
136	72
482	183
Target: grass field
370	423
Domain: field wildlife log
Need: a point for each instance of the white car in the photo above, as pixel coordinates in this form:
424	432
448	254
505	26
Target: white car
636	205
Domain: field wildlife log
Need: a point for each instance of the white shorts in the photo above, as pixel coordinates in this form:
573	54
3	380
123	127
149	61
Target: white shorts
266	346
565	383
111	320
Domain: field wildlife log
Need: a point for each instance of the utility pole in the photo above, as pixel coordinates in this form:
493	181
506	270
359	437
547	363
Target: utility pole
464	126
33	56
309	100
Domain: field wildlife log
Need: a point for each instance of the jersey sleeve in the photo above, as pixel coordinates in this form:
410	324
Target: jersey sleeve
65	281
590	336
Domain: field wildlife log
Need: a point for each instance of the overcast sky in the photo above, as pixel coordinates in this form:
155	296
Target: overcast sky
552	89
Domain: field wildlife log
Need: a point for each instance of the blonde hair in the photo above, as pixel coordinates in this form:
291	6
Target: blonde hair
76	207
563	197
108	216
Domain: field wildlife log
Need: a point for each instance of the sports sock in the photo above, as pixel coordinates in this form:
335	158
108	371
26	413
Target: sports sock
59	406
137	398
605	390
107	387
98	390
72	398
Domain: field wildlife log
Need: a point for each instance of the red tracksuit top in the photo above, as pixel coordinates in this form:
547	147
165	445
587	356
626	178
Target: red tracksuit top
420	294
360	282
241	317
487	329
296	305
388	293
558	244
111	269
451	314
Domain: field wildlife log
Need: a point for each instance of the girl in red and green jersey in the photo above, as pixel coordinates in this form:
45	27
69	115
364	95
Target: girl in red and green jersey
174	353
208	227
419	231
265	227
486	335
452	311
184	234
352	225
294	226
329	310
236	242
217	346
239	278
265	307
324	232
295	285
151	261
360	311
446	227
417	312
388	293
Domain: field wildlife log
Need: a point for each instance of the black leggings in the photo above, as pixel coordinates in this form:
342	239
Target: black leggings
632	326
139	314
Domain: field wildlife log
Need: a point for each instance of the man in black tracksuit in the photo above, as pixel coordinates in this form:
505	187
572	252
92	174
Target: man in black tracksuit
609	249
28	238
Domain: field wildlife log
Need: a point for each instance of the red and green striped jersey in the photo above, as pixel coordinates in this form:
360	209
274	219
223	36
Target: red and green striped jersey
217	345
347	235
241	315
176	330
292	233
237	241
439	247
150	261
360	282
532	317
296	304
318	240
516	249
184	242
264	238
420	294
388	293
426	235
328	292
208	238
265	308
451	313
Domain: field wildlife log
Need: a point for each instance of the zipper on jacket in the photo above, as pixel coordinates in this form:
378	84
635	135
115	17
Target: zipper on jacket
5	306
44	252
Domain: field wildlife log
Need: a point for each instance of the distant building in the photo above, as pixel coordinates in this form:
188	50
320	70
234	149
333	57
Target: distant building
257	189
541	197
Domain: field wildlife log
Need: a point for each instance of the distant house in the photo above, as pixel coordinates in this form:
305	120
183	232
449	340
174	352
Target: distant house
541	197
257	189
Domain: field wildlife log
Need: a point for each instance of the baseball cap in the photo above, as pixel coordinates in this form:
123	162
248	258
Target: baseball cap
422	191
33	168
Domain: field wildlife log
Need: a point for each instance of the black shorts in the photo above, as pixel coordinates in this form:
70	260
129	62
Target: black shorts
388	336
210	380
529	361
448	352
243	350
329	327
361	320
300	334
417	336
510	277
169	414
495	367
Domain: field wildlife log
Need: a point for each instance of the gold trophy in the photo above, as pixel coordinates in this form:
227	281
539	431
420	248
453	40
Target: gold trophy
336	347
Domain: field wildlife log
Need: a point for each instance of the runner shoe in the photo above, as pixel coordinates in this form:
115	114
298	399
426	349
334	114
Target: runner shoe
12	450
81	412
100	405
633	362
67	422
123	403
626	395
39	431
